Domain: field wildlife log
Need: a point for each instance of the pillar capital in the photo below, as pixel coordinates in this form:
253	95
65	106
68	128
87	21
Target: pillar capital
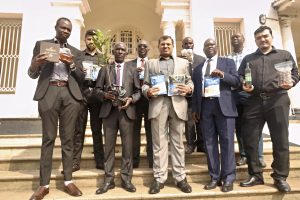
286	20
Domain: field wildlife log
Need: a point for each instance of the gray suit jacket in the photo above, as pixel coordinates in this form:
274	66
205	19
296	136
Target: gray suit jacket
44	73
130	82
181	66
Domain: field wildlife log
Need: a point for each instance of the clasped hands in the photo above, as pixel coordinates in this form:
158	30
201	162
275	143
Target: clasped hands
110	96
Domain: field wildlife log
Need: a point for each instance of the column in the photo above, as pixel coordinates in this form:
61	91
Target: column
288	44
169	29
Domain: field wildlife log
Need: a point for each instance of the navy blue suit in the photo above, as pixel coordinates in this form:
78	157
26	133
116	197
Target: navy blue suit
217	119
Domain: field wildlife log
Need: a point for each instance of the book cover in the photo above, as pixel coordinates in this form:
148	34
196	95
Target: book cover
211	87
175	80
160	82
51	49
95	71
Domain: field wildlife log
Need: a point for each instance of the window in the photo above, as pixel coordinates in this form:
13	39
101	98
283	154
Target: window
223	32
10	31
130	36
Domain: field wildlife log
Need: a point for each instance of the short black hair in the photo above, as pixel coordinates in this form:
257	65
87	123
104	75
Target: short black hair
90	32
261	29
62	18
165	37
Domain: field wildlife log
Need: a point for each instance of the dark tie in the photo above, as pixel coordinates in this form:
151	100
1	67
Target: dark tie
142	63
207	71
118	74
142	66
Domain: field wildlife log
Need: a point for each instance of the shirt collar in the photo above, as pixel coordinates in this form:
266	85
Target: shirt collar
140	59
258	51
121	64
161	58
64	45
214	58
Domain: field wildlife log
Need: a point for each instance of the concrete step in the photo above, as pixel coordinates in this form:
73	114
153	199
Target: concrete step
196	173
28	161
170	192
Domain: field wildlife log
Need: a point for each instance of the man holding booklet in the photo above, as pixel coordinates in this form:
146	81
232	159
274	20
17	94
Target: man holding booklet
213	105
168	113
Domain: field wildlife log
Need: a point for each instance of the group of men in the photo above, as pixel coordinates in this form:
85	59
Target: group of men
124	93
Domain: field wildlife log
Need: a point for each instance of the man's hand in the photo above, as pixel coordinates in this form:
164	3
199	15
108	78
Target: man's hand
195	117
109	95
247	87
38	61
217	73
66	58
153	92
287	86
140	69
128	101
184	89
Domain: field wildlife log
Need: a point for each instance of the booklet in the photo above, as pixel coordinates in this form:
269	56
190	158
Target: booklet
95	72
160	82
52	49
175	80
211	87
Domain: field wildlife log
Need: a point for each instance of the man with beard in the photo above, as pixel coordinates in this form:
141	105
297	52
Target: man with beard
58	95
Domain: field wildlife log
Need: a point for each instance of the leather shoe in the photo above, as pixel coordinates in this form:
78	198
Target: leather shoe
105	187
135	165
212	185
155	187
73	190
227	186
39	193
242	161
128	186
100	167
262	163
251	181
75	168
184	186
282	186
189	149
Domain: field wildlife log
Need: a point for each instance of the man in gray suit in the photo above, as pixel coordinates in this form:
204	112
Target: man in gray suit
118	87
58	97
168	115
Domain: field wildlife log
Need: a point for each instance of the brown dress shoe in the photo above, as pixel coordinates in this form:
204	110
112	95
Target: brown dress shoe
40	193
72	190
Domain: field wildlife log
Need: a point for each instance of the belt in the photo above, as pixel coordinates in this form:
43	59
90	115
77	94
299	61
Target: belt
210	98
267	95
59	83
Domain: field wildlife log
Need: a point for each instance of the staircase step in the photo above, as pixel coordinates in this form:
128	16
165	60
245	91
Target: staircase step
28	179
169	192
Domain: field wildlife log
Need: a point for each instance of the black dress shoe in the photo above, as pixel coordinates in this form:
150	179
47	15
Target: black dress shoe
128	186
75	168
155	187
135	165
251	181
282	186
242	161
105	187
227	186
262	163
189	149
101	167
212	185
201	149
184	186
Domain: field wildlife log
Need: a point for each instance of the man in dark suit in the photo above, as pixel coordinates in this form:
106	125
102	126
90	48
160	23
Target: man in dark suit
142	107
218	112
193	132
118	113
91	57
58	97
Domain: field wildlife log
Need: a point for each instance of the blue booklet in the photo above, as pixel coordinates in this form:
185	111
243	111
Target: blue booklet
175	80
160	82
211	87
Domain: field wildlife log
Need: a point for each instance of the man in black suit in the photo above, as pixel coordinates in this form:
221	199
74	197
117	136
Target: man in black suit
118	87
193	132
91	57
58	95
142	107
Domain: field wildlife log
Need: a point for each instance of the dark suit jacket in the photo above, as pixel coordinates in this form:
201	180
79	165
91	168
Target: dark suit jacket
75	77
130	82
197	60
230	79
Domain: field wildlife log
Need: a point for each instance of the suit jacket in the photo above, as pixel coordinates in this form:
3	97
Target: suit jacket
226	99
45	71
130	82
181	66
197	60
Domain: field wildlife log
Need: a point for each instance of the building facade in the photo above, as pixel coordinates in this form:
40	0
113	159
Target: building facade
22	23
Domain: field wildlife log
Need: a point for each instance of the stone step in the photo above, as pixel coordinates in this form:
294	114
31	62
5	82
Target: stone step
196	173
169	192
27	161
